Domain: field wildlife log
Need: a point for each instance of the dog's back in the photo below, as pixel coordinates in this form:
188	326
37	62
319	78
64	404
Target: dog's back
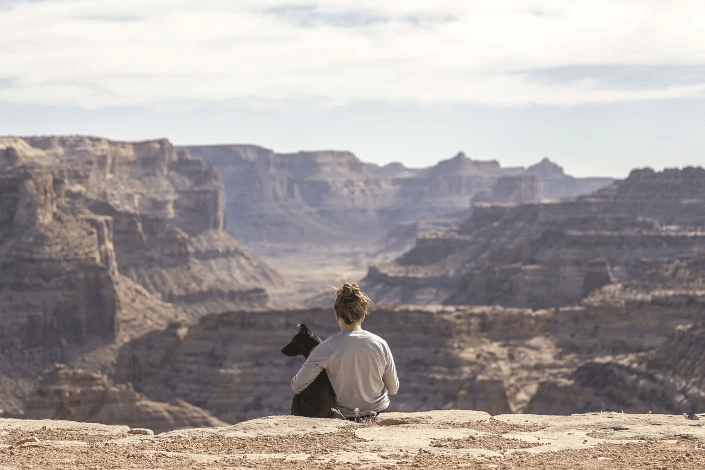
318	399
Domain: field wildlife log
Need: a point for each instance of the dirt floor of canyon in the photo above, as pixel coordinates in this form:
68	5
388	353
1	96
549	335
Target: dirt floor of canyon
310	269
435	439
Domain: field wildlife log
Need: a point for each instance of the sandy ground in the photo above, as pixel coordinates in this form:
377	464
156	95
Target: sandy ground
435	439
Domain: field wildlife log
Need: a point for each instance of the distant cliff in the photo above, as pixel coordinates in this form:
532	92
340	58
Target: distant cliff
331	195
639	230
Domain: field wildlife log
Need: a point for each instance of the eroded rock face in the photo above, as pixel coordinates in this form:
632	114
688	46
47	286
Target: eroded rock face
327	195
555	254
667	379
56	264
79	213
88	396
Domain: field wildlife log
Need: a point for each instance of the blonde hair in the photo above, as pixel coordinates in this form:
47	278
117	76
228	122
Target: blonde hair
351	304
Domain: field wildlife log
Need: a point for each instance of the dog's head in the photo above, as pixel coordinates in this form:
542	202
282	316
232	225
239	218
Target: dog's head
302	343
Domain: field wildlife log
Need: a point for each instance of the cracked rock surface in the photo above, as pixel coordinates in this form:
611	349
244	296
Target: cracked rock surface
433	439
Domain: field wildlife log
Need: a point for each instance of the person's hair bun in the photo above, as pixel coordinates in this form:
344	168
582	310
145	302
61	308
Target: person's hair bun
350	290
351	304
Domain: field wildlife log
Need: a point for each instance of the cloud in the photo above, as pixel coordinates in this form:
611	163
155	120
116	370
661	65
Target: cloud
621	76
110	18
7	82
311	16
94	53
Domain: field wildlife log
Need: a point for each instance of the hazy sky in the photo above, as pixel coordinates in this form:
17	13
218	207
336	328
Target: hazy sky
598	86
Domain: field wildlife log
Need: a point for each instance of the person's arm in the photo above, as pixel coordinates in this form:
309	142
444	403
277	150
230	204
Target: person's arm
390	379
313	366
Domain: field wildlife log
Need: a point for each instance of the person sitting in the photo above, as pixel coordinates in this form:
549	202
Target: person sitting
359	364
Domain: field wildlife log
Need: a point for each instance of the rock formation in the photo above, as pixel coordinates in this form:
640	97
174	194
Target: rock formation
555	253
667	379
103	241
79	212
309	196
555	184
512	190
88	396
57	263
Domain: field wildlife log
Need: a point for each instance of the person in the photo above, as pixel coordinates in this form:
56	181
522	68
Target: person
359	364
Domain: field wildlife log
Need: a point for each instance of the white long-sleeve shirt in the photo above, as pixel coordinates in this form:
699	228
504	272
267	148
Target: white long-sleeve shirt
360	367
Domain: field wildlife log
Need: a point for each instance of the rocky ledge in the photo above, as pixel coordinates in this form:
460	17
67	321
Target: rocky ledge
433	439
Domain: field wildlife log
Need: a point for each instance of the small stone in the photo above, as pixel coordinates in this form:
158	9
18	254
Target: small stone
685	415
141	431
27	441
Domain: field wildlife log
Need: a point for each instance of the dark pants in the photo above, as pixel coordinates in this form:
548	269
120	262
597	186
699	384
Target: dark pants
367	417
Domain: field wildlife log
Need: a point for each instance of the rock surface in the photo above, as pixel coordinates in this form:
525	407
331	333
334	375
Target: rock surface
435	439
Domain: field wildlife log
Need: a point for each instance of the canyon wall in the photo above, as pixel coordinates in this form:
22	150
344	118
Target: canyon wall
556	253
80	216
488	358
332	195
57	264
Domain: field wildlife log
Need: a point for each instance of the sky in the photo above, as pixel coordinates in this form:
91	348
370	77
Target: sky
599	86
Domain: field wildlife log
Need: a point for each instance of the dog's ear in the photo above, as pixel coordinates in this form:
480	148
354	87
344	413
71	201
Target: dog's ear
303	328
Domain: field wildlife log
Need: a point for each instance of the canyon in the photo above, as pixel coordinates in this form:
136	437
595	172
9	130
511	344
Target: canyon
548	254
103	241
333	195
149	285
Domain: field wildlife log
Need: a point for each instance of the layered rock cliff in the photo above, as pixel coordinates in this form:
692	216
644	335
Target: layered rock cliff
668	378
79	212
329	195
57	263
89	396
103	241
553	254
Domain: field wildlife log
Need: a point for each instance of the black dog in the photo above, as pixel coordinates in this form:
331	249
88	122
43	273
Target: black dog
318	398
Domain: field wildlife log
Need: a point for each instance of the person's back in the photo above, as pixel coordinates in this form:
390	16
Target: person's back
359	364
